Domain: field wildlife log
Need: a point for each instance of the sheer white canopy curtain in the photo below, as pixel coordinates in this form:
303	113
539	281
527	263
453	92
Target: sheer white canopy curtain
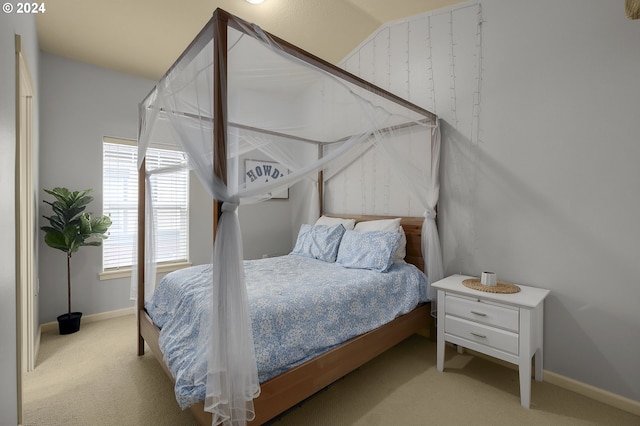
237	94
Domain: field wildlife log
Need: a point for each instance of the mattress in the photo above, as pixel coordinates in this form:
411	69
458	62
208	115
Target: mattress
300	307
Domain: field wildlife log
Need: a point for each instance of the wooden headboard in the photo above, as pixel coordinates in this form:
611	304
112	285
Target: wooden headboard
412	226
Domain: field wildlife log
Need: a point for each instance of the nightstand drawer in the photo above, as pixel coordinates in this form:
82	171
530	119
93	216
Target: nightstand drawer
480	311
485	335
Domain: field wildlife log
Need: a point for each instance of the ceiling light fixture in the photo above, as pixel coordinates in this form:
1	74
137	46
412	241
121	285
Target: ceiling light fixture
255	1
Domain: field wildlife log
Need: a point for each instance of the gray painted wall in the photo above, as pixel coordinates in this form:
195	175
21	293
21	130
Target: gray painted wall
546	194
555	178
81	103
266	228
24	25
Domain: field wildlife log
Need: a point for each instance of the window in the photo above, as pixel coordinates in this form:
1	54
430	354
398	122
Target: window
170	200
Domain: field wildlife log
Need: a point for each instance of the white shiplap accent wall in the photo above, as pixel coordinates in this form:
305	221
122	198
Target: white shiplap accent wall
417	59
433	60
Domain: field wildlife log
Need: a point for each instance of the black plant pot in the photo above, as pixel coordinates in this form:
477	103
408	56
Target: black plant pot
69	323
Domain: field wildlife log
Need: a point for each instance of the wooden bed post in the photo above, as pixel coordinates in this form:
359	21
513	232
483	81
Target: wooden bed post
219	107
320	183
141	248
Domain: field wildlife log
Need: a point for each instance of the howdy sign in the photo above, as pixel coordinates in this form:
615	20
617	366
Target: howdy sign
259	172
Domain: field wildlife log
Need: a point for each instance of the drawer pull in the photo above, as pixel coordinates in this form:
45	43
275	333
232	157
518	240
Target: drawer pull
479	335
479	313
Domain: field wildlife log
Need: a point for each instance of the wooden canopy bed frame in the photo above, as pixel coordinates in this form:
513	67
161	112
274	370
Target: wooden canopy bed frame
291	387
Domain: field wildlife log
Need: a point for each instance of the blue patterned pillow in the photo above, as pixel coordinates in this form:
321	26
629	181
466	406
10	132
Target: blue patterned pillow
319	241
368	250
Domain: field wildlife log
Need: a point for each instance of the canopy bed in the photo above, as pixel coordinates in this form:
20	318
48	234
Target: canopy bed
238	92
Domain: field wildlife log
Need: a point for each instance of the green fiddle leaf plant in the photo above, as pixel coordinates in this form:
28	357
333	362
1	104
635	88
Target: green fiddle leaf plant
70	227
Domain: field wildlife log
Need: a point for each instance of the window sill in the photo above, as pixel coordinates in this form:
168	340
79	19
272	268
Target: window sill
126	272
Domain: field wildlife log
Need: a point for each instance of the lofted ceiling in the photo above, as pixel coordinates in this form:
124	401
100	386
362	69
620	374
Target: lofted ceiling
144	37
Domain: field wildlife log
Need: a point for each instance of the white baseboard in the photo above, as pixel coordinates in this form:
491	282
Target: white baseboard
593	392
36	350
52	326
597	394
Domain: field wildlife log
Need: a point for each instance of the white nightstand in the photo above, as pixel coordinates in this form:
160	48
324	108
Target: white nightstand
505	326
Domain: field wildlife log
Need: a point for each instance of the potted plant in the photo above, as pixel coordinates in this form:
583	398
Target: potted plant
69	229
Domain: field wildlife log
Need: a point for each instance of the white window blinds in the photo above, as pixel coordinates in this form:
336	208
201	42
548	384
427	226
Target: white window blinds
170	198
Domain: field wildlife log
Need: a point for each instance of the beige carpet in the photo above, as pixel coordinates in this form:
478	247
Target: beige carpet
94	378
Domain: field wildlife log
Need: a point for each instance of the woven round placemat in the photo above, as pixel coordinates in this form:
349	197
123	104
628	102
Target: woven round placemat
500	287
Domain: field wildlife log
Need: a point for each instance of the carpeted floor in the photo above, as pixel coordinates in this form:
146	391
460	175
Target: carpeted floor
94	378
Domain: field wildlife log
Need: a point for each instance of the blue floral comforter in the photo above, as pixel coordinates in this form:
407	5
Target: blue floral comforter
300	307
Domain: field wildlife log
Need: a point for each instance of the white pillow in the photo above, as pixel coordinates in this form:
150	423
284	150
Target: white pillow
401	251
383	225
331	221
387	225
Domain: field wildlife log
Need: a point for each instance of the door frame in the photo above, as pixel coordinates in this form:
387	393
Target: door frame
26	223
